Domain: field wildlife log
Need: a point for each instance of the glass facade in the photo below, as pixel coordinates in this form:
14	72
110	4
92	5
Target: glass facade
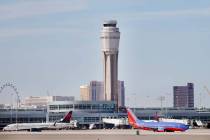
85	112
8	116
93	106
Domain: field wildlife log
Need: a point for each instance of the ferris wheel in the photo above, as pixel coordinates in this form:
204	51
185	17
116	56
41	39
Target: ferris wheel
10	85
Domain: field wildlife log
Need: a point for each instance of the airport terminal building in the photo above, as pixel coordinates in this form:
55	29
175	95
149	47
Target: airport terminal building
89	112
84	112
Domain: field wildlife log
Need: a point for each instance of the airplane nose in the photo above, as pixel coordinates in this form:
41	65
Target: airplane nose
186	127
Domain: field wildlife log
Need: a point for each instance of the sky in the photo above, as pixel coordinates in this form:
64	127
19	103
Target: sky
51	47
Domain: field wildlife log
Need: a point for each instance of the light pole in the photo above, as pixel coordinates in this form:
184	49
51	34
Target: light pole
128	101
11	108
148	99
17	107
167	97
134	102
161	98
199	107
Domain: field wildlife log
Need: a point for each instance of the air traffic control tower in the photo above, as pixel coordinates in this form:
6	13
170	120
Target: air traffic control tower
110	37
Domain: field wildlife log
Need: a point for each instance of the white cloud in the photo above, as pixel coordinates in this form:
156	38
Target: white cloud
24	9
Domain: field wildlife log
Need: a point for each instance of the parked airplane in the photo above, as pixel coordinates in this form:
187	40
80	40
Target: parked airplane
155	126
116	122
63	123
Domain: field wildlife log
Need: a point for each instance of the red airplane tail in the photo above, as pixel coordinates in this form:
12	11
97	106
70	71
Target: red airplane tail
67	117
132	119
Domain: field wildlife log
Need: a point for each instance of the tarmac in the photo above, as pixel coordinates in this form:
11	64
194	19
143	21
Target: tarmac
113	134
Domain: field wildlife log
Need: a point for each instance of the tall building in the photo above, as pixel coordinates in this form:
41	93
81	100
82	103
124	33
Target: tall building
110	37
85	92
121	93
184	96
92	92
95	92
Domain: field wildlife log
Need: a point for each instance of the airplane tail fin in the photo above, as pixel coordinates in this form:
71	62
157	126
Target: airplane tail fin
132	119
67	117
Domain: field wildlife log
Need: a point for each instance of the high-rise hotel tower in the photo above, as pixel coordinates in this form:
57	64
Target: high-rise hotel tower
110	37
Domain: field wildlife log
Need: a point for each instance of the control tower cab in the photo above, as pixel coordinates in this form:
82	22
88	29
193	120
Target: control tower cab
110	36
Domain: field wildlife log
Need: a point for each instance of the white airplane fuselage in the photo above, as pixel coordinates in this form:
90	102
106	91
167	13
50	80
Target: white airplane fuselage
41	126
